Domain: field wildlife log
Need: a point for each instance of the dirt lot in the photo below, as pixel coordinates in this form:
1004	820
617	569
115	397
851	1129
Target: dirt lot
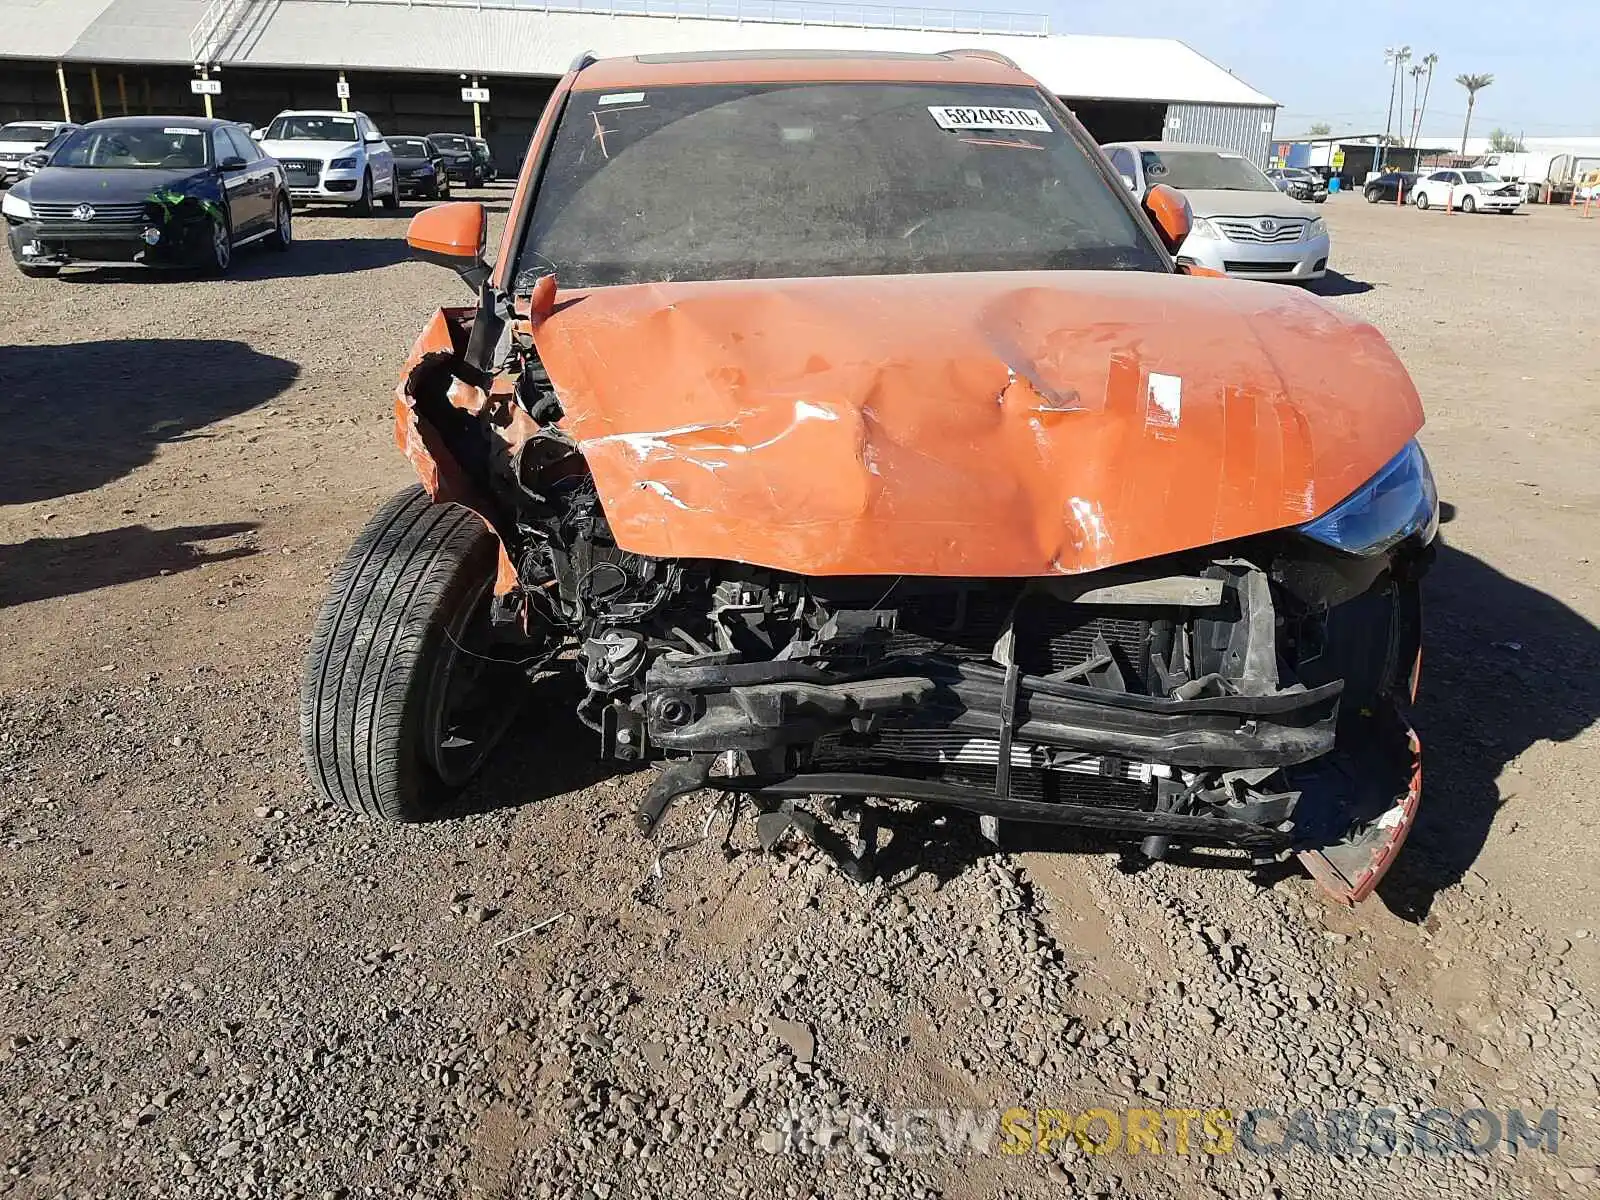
211	987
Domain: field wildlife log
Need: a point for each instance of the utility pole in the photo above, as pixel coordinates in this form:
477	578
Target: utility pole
94	86
477	114
66	105
205	73
344	93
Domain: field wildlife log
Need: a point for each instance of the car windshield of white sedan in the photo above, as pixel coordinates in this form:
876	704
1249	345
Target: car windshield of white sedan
306	127
167	147
1479	177
22	131
1204	170
768	181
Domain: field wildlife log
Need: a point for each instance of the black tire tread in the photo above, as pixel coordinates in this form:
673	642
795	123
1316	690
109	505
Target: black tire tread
371	650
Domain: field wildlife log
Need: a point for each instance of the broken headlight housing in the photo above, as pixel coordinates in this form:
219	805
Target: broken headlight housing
1397	502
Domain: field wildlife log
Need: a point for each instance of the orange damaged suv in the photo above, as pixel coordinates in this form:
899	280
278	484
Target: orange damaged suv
848	433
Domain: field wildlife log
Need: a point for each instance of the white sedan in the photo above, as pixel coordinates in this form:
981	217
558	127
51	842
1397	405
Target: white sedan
1470	191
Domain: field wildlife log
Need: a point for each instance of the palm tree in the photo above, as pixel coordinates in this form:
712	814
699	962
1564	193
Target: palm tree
1474	84
1391	54
1400	57
1417	73
1431	61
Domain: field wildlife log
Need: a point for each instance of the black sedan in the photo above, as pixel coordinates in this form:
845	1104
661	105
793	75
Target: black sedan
157	191
459	158
1391	186
419	168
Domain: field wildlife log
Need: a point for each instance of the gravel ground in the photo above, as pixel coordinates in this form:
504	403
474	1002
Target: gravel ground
214	987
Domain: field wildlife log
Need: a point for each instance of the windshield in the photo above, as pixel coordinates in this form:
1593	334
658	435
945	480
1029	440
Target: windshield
306	127
453	142
763	181
169	147
409	147
1202	170
1480	177
23	131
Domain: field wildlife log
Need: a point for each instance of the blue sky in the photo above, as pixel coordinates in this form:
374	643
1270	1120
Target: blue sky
1323	59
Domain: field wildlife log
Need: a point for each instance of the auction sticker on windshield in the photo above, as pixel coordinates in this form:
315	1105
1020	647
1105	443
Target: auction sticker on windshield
953	117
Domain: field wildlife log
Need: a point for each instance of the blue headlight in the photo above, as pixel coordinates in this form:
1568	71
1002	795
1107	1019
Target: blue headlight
1397	502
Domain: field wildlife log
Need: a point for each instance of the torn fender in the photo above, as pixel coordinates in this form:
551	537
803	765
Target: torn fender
984	424
423	442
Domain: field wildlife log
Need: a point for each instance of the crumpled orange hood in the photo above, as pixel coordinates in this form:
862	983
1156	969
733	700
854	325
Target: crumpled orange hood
1005	424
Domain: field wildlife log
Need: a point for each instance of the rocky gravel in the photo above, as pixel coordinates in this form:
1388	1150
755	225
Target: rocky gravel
211	986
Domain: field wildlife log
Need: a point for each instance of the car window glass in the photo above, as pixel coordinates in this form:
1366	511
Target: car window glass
132	147
312	127
242	145
1204	170
1122	160
762	181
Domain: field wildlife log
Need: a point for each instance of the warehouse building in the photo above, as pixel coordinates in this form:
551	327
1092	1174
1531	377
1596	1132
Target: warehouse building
408	63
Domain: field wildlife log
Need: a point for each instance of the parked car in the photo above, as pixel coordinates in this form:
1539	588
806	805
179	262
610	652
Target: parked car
32	163
158	191
1390	186
21	139
485	157
1243	225
333	157
949	486
460	158
1470	191
420	167
1301	184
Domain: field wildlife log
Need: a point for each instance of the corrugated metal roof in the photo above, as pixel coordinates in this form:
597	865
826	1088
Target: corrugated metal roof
140	31
496	41
44	28
491	40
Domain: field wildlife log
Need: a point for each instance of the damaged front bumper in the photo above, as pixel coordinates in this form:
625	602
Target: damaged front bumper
153	242
1234	758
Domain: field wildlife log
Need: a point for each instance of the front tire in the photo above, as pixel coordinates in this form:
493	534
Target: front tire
219	253
1422	201
283	225
1468	204
386	663
391	199
364	201
1372	195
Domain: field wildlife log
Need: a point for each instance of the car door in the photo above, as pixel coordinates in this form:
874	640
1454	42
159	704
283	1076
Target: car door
243	209
379	157
262	185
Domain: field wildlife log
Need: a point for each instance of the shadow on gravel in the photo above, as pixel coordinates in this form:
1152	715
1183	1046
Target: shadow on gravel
547	752
75	417
45	568
1335	284
1504	667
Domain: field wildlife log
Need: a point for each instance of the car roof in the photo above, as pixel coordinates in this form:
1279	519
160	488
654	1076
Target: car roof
147	122
800	66
316	112
1159	146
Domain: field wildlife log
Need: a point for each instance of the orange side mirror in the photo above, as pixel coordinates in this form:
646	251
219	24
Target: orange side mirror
1169	209
452	235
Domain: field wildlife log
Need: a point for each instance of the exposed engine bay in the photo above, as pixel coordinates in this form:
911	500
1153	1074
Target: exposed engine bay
1246	694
